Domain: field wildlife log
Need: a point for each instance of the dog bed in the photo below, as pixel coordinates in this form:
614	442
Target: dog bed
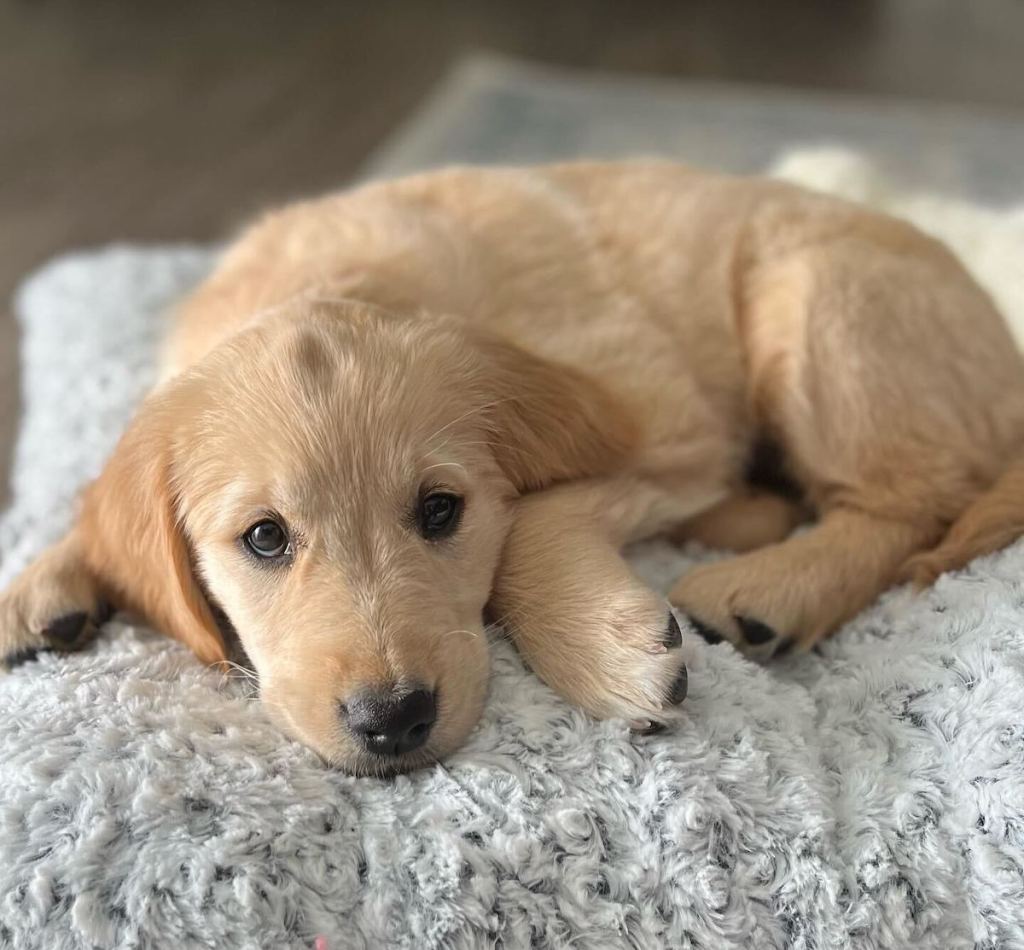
870	795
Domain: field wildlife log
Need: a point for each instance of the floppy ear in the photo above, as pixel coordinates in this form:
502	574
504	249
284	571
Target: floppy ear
130	530
550	422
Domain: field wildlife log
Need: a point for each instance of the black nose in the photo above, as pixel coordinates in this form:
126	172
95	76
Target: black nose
390	724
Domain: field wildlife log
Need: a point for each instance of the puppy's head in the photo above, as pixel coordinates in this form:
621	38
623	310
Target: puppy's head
339	482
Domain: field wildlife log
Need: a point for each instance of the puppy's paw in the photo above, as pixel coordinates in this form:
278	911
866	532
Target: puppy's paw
647	684
730	601
53	605
620	659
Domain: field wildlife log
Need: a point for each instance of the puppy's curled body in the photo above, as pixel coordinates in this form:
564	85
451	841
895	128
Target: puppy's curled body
561	360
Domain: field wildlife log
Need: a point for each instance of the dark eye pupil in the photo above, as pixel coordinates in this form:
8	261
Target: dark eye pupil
439	510
267	539
439	514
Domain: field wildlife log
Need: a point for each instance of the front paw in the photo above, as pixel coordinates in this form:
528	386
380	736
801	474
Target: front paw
639	675
22	639
53	606
624	663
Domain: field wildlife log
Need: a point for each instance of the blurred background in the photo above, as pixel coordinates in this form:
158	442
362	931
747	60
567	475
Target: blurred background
172	122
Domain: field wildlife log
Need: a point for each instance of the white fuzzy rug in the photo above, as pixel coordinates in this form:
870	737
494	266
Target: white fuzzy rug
871	796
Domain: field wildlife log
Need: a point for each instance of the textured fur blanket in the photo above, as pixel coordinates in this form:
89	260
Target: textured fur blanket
868	796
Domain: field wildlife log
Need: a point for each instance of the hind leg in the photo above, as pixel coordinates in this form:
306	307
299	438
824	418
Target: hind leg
892	386
744	521
54	604
799	591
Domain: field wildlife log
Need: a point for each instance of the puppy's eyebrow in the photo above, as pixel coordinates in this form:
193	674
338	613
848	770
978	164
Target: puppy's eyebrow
313	361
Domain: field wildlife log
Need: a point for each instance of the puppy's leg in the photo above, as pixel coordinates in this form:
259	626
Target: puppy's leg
55	604
799	591
744	521
582	620
896	394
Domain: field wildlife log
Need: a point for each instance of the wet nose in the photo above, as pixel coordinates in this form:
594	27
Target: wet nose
390	724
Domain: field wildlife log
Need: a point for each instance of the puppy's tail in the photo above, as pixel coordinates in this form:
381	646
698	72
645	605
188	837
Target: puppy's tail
992	521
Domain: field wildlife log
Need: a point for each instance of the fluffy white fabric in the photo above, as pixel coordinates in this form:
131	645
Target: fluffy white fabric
868	796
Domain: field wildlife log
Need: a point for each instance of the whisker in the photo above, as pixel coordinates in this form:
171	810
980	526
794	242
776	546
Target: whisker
470	633
238	666
236	671
502	623
443	464
505	446
473	411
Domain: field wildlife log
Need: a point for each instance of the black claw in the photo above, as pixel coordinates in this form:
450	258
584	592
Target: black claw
678	691
783	648
653	729
673	635
756	632
22	656
707	633
67	629
104	611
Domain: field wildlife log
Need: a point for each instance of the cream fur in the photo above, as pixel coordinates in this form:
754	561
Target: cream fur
590	352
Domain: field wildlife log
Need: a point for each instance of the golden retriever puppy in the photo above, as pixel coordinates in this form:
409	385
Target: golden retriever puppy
390	410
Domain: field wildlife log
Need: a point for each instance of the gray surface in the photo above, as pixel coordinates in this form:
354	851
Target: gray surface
496	110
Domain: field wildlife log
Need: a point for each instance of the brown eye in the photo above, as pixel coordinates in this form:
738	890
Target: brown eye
438	515
267	539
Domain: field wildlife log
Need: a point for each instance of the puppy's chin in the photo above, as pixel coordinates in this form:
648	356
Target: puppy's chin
360	763
348	757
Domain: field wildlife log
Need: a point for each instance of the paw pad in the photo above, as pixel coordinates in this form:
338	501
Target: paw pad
677	693
755	632
673	635
67	629
708	634
19	657
646	727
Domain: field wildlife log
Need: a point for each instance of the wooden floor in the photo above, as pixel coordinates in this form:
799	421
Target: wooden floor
151	121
